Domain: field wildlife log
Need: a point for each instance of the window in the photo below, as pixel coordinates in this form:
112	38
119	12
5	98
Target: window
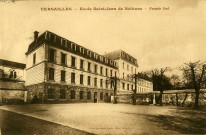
52	37
51	55
72	77
128	67
95	81
88	95
11	74
106	72
63	75
73	46
63	42
127	86
95	68
62	94
115	73
50	93
34	58
106	83
123	65
82	50
73	62
123	75
63	58
89	66
14	74
111	73
101	96
101	70
123	86
81	79
106	94
72	96
51	74
111	84
88	80
132	69
132	87
89	53
101	82
81	94
82	64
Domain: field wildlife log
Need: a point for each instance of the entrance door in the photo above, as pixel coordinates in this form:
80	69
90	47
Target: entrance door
95	97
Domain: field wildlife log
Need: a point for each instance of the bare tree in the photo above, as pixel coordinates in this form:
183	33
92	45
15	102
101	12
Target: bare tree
175	79
114	81
134	76
195	72
158	76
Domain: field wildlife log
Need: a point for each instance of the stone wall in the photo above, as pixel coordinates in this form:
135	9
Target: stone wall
140	98
173	97
39	93
12	96
183	98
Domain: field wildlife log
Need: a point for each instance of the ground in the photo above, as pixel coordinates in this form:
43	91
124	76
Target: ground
105	118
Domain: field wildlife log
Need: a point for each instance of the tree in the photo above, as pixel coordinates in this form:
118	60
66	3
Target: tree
175	80
135	76
160	81
195	72
113	81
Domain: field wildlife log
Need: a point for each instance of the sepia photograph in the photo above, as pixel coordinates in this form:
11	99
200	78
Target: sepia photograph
103	67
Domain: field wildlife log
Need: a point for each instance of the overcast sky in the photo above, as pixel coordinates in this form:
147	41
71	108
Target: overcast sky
155	38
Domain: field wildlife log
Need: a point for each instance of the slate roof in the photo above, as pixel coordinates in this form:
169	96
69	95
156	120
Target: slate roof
46	38
7	63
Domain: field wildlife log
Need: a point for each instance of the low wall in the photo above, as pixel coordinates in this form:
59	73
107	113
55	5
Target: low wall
12	96
170	97
182	98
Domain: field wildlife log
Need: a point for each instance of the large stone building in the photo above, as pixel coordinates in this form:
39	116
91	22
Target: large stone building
127	68
59	70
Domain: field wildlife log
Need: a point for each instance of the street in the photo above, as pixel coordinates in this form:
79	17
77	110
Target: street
103	118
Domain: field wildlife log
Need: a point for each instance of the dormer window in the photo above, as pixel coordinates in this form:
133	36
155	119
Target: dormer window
73	46
101	58
81	50
52	37
89	53
96	56
63	42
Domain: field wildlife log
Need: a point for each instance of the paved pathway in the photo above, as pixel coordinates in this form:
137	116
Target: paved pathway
103	118
17	124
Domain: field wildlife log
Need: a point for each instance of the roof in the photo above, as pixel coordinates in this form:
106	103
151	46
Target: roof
120	54
47	36
12	85
13	64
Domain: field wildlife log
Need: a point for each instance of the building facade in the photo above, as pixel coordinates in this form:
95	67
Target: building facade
12	89
12	70
127	68
59	70
144	85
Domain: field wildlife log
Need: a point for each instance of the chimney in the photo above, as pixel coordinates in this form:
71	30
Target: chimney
35	35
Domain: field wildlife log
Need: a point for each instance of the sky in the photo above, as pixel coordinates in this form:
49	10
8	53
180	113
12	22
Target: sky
156	38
